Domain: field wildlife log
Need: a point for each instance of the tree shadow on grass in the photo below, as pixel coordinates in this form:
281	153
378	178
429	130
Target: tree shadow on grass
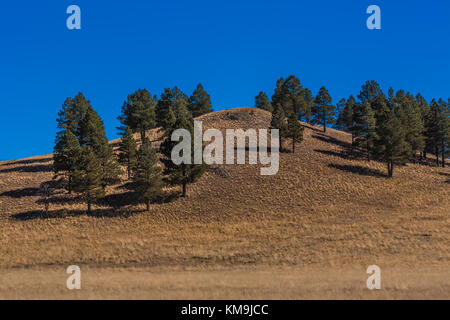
342	155
445	175
20	193
33	168
30	161
61	214
364	171
332	140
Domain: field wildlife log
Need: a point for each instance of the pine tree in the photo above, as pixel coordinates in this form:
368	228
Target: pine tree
70	116
323	112
147	180
369	91
182	174
365	130
294	130
262	102
409	113
199	102
127	151
93	133
171	99
279	121
290	94
88	177
138	112
390	145
66	152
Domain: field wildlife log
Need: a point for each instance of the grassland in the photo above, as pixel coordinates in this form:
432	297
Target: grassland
308	232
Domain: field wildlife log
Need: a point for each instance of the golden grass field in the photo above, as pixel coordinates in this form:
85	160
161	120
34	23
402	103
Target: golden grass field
310	231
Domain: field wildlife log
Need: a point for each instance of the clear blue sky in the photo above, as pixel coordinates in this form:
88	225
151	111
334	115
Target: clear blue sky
235	48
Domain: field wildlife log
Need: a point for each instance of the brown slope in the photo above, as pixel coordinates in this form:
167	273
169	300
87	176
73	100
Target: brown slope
321	209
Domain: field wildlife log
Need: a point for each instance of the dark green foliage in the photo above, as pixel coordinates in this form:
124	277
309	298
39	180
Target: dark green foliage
200	102
292	97
294	130
369	91
78	117
127	151
279	120
410	115
437	128
182	174
65	156
365	128
147	180
347	116
323	112
262	102
172	102
138	112
88	177
390	145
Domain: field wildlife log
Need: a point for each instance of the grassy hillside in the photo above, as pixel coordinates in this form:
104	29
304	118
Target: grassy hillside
325	209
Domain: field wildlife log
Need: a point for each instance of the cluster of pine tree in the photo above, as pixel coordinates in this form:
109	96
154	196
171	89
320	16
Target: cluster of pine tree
395	129
85	163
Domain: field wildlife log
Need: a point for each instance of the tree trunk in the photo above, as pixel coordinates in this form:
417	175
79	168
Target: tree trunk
47	204
89	205
390	165
443	154
142	135
184	189
293	145
368	151
148	205
69	185
437	156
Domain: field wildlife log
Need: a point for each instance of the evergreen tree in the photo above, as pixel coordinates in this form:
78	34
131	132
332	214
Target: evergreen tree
347	116
323	112
294	130
279	121
390	145
71	115
365	130
262	102
409	113
171	100
199	102
127	151
88	177
306	111
138	112
147	179
184	173
93	133
66	152
290	94
369	91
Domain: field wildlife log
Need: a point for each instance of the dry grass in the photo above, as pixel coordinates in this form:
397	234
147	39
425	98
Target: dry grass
324	212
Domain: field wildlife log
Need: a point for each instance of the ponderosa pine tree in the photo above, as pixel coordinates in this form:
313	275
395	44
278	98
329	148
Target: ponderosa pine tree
323	112
138	112
147	180
199	102
435	130
409	113
262	102
93	133
184	173
347	116
171	100
70	116
369	91
88	177
128	150
279	121
365	128
290	94
66	153
294	130
390	145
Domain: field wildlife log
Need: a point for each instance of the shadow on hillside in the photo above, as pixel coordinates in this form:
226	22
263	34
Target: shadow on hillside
20	193
61	214
31	161
332	140
364	171
33	168
343	155
445	175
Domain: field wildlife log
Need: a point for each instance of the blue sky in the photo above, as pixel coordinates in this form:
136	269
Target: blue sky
234	48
